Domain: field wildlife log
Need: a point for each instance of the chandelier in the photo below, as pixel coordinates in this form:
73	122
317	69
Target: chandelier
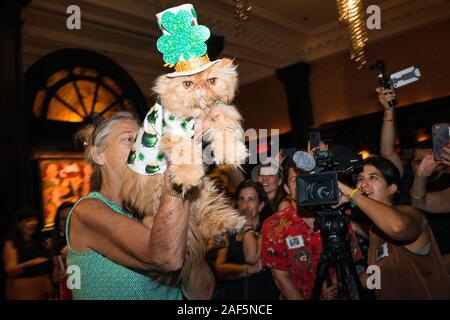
241	14
351	14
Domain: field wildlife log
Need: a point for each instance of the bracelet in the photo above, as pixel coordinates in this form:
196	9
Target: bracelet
388	119
248	230
354	195
172	193
416	197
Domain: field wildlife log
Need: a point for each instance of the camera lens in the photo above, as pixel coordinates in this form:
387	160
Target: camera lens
321	191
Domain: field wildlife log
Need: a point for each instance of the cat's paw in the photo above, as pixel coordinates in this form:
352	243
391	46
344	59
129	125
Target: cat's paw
187	174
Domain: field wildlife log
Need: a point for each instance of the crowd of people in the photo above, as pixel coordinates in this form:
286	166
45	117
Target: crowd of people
402	226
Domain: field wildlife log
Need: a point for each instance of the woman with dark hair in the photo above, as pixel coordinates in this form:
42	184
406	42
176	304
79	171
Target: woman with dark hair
238	265
271	179
401	242
26	259
59	252
59	233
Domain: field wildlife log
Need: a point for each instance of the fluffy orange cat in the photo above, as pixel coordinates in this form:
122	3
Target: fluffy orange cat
205	97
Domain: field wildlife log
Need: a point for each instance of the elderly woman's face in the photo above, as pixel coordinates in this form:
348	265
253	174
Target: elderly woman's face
119	144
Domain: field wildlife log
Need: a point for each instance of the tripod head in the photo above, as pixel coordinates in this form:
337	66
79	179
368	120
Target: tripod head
333	226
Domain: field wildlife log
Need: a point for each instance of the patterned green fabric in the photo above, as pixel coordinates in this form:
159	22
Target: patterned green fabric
104	279
145	157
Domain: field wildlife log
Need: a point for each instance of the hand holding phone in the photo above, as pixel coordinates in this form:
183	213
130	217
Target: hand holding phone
314	140
440	133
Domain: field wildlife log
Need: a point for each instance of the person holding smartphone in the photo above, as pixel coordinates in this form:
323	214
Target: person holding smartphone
424	182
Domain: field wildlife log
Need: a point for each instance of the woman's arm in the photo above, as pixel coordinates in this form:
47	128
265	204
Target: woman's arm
403	223
96	226
10	260
251	247
200	284
434	202
387	140
285	285
232	271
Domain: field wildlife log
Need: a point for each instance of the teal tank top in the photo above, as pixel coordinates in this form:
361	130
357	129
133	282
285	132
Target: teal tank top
104	279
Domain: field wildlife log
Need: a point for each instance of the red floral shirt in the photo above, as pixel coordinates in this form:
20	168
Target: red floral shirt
289	244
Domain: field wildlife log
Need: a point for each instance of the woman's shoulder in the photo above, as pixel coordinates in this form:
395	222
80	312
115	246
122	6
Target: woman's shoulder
88	207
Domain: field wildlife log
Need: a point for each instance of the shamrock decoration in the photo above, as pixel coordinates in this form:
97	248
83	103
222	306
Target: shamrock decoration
184	39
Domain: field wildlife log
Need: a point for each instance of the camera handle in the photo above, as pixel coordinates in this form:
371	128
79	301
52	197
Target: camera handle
384	80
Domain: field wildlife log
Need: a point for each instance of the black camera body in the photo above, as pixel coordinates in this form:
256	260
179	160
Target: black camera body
320	186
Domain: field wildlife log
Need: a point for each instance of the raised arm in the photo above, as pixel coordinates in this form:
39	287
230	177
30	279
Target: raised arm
387	141
433	202
95	226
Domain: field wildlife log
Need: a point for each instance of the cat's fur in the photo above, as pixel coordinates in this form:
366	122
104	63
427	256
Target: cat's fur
208	100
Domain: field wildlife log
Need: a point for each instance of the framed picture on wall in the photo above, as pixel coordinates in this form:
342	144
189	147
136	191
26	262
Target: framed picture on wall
61	180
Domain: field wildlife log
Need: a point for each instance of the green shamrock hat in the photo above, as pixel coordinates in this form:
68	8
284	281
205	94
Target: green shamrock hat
183	41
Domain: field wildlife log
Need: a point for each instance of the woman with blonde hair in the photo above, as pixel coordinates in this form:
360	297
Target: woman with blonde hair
112	248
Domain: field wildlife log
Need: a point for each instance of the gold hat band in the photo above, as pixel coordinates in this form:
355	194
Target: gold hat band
191	64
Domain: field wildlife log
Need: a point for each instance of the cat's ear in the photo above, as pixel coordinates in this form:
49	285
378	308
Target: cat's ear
161	84
224	62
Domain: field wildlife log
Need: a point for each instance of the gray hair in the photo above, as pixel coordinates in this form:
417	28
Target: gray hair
96	136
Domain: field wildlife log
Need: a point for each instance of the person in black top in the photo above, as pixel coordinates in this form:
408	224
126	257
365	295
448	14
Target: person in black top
59	252
26	259
238	265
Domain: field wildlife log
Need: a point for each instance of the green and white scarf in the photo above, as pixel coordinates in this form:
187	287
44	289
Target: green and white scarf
145	156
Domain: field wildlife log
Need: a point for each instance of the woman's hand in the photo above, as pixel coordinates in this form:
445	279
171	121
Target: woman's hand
254	268
384	96
322	147
445	155
344	191
329	292
426	166
249	210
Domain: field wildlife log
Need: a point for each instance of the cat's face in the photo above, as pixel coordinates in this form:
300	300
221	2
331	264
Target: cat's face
192	96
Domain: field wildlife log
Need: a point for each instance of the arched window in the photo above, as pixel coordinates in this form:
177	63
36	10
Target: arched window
71	84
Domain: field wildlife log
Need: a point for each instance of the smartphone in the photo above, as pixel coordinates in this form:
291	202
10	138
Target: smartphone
440	133
314	139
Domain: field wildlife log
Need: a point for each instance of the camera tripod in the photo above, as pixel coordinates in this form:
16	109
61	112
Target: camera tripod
336	251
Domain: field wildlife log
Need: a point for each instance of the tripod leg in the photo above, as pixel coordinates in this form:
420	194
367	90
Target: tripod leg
354	285
322	271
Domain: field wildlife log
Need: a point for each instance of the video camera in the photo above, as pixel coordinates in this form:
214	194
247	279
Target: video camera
319	186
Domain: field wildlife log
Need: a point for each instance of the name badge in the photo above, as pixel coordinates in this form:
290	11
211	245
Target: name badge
295	242
382	251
